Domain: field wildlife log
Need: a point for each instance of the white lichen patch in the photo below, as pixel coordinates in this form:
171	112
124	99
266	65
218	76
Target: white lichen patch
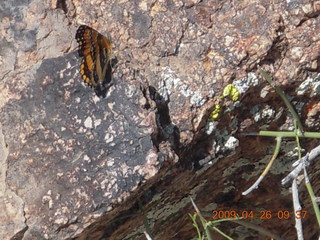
197	99
231	143
310	84
170	82
185	90
245	83
210	127
261	114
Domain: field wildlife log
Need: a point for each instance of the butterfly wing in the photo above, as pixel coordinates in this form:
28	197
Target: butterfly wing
95	50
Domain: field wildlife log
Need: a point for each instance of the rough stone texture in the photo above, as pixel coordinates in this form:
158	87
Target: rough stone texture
74	166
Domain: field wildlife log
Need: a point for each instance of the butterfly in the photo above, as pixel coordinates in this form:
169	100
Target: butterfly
95	68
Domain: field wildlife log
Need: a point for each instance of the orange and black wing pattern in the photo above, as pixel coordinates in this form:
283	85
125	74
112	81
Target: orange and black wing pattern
95	68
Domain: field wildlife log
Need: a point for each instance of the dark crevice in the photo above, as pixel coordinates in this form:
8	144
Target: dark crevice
189	154
65	226
117	222
306	18
278	49
136	210
178	45
317	70
61	4
198	150
243	61
147	105
20	235
166	130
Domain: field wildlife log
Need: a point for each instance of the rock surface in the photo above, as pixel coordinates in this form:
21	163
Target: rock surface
74	166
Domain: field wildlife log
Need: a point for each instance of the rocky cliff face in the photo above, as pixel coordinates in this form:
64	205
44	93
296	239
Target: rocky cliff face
75	166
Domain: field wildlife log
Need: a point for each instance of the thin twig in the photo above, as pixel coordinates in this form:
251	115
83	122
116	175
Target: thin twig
264	173
147	231
297	209
299	166
147	235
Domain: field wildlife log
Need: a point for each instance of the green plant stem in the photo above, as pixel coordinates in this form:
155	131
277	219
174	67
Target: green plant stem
284	98
314	203
274	156
259	229
312	196
222	233
289	134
